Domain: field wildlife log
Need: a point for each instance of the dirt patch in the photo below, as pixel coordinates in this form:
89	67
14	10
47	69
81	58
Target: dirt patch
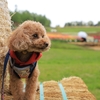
92	34
90	45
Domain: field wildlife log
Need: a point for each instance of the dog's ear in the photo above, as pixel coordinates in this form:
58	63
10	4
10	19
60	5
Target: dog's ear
18	41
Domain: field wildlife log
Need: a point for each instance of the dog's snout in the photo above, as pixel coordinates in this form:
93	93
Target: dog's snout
46	44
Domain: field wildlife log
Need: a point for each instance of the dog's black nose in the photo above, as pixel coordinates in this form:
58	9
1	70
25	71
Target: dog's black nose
46	44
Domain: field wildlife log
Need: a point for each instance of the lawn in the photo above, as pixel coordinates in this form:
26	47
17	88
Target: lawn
65	60
73	30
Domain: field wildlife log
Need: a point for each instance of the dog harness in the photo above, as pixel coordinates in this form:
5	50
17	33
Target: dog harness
23	69
20	68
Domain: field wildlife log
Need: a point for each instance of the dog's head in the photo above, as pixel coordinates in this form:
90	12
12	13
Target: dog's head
30	36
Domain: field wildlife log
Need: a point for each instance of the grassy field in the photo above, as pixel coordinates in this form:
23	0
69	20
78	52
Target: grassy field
77	29
65	60
73	30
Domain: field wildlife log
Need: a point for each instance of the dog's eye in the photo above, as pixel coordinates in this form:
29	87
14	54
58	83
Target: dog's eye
35	35
43	36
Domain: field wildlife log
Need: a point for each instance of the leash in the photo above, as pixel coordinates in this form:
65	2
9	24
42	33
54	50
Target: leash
3	75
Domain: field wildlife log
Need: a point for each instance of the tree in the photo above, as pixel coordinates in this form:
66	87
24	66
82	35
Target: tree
67	24
21	16
90	23
98	24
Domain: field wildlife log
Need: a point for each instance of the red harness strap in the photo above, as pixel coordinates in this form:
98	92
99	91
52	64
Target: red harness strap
35	57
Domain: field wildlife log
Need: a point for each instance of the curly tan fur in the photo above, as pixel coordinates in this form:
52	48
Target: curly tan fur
29	37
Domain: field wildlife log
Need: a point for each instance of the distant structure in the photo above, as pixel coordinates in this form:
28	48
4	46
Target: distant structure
53	30
82	36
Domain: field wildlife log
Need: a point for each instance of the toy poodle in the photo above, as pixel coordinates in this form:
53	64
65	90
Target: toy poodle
26	44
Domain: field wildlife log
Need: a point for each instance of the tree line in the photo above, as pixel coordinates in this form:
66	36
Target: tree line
80	23
18	17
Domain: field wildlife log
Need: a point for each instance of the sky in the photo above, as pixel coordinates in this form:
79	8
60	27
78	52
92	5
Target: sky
61	11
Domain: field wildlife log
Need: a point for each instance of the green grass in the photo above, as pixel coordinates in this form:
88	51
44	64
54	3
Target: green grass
73	30
65	60
77	29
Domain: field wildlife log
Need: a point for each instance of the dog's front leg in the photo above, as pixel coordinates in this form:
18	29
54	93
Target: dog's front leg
16	86
31	86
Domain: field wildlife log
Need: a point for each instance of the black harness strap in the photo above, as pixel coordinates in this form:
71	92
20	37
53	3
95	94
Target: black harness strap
32	69
3	75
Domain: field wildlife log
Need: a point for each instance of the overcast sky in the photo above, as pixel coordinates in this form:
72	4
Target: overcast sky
61	11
